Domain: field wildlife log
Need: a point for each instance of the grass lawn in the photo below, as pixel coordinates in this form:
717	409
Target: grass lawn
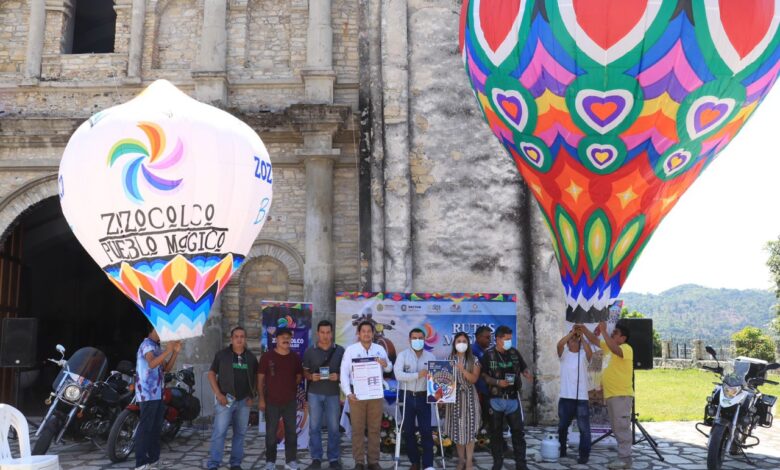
679	395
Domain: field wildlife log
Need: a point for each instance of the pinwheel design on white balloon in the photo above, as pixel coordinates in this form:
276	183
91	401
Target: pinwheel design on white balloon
167	195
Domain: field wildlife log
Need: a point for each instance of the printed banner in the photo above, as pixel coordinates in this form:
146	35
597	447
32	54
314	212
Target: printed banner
441	382
296	316
439	315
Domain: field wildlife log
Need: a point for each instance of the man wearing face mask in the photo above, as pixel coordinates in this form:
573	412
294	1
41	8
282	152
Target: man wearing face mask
502	366
411	371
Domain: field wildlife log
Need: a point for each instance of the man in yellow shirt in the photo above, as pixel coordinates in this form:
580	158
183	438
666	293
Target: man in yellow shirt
617	382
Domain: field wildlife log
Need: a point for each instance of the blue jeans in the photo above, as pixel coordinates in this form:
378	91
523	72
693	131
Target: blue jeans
417	407
326	406
568	409
237	415
147	440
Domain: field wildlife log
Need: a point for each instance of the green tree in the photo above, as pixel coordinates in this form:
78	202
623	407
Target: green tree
624	313
773	247
752	342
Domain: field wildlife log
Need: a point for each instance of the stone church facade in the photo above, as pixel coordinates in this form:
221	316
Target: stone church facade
385	177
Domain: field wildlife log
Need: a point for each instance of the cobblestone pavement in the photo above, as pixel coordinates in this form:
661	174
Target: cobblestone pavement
681	446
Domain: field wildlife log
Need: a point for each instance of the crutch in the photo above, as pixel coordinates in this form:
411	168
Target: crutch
441	435
399	424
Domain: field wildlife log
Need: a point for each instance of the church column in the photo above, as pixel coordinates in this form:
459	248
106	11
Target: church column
318	124
210	72
37	25
135	52
318	76
397	173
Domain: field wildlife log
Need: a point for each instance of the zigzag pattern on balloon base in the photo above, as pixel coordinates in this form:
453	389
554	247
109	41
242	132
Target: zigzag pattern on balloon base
611	110
175	294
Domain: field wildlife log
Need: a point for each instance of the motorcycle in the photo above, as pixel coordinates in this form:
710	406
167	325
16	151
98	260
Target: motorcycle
82	403
735	408
180	405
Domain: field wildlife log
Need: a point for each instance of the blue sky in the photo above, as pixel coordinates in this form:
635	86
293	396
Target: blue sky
715	236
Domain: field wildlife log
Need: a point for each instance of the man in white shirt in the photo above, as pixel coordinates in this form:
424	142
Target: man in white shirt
411	371
364	414
574	353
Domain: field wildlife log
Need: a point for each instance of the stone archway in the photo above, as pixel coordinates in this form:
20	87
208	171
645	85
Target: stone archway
272	270
23	199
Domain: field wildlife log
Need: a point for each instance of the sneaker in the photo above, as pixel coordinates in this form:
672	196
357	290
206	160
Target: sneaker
316	464
161	465
335	465
582	460
291	465
270	466
236	467
359	466
619	465
143	467
374	466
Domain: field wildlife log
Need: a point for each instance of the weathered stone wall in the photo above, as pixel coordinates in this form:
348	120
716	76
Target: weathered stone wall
176	38
13	36
474	226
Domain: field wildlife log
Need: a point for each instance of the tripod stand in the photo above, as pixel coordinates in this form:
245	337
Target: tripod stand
646	437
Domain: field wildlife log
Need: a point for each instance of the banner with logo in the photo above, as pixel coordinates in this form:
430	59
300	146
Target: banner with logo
295	316
439	315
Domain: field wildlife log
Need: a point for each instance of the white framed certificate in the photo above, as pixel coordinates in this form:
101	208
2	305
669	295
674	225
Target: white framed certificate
367	378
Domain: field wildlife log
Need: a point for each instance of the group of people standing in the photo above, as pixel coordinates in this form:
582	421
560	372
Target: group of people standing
488	381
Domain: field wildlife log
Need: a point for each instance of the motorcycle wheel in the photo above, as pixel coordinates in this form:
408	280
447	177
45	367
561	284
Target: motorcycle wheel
171	433
121	438
716	449
49	431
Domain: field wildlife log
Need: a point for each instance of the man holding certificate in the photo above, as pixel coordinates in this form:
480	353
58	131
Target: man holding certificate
361	382
411	371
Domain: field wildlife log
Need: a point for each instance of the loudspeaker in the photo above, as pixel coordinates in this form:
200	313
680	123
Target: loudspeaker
18	342
641	340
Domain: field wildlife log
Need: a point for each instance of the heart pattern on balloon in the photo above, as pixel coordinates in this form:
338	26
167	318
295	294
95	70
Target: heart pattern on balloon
533	154
707	114
608	37
737	45
604	110
676	162
512	107
496	26
601	156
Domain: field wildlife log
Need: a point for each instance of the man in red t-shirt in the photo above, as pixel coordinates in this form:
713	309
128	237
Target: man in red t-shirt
278	377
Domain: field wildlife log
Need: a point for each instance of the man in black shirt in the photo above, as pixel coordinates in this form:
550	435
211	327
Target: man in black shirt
233	379
321	367
502	366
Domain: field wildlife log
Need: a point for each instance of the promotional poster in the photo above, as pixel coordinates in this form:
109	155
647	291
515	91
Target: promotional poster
296	316
441	382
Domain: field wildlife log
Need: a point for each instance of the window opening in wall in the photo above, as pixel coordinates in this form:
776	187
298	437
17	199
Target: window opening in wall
94	26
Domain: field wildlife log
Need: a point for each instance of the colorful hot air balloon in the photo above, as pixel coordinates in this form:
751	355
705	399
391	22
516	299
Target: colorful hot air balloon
611	109
167	195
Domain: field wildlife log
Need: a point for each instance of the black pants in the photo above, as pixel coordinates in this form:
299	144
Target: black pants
147	438
517	427
272	414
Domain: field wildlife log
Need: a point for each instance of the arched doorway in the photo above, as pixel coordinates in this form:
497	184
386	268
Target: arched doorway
72	299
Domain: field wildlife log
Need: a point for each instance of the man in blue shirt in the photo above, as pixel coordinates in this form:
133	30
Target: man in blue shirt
481	344
152	362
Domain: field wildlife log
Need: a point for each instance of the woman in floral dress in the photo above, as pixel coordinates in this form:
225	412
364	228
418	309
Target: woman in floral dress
462	419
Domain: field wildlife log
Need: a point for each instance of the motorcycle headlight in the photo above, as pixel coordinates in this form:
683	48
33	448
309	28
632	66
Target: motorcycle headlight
731	391
72	393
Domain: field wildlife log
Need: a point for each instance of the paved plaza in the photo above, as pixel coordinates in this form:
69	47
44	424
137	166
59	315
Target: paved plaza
681	446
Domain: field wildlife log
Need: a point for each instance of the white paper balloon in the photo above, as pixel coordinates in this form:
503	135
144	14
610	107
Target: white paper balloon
167	195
